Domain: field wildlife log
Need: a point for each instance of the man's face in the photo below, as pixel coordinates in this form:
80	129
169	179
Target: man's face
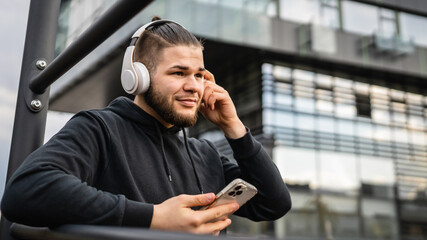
176	86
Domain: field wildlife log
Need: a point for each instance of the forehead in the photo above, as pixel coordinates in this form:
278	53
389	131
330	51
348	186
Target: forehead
189	56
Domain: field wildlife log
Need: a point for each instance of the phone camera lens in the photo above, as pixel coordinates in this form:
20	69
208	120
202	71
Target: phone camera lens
239	192
232	193
237	188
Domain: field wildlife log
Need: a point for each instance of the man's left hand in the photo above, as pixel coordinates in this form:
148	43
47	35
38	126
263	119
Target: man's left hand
218	108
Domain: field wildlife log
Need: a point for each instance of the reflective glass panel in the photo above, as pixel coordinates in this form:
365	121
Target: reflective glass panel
305	122
379	218
339	215
387	25
304	104
364	129
370	174
345	110
303	219
280	72
359	18
382	133
283	119
267	99
380	116
297	166
283	99
346	127
303	75
324	106
325	124
400	135
324	13
329	15
302	11
267	68
416	122
338	172
413	27
324	81
417	137
264	7
267	117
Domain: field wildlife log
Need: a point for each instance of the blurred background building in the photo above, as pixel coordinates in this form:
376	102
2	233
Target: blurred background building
336	90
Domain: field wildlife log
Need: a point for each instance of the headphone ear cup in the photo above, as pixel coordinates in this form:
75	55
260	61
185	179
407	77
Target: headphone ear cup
143	77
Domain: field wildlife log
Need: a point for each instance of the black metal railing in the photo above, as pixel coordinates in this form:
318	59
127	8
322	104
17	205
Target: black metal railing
87	232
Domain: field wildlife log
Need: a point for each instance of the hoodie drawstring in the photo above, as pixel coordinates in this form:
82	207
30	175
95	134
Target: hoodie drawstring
199	184
165	161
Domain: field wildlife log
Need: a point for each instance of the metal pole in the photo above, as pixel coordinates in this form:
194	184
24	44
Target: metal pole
31	109
116	16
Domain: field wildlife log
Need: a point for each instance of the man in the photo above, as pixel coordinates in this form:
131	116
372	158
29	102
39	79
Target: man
127	165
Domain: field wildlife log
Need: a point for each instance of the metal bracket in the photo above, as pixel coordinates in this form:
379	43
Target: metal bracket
36	102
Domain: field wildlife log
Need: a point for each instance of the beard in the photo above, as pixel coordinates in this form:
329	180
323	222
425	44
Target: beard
164	108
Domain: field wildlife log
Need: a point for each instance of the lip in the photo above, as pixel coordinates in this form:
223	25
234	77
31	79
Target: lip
187	101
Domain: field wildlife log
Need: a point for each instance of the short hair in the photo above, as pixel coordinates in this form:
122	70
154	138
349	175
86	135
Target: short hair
158	37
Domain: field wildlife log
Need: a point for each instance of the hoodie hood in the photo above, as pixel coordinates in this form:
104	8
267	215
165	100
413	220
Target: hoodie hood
126	108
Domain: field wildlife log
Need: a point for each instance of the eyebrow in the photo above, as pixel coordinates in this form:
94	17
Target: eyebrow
186	68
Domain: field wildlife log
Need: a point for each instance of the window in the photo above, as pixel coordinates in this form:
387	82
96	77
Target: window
359	18
379	219
387	23
321	12
413	27
297	166
282	73
338	172
305	122
303	220
339	215
325	124
302	11
363	105
384	179
329	14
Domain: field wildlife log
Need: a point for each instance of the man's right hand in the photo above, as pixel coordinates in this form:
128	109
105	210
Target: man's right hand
175	214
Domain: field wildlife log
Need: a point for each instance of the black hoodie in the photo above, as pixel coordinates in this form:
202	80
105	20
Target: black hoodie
110	166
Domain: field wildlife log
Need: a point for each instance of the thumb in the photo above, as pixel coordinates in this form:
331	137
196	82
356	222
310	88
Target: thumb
199	200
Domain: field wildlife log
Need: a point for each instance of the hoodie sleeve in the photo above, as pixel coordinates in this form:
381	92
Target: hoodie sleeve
52	186
256	167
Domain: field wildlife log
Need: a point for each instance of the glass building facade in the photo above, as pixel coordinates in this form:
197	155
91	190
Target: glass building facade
354	154
337	92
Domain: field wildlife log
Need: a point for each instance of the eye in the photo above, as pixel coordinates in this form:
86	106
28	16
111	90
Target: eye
178	73
199	76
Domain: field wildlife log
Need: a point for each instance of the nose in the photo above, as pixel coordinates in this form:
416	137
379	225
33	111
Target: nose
193	84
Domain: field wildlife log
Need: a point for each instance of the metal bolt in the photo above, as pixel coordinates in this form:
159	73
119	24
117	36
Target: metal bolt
36	104
41	64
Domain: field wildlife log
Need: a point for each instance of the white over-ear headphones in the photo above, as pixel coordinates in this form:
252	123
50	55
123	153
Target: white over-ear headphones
135	76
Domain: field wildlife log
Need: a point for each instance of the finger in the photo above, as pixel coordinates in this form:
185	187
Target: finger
218	212
214	227
208	76
214	98
207	93
197	200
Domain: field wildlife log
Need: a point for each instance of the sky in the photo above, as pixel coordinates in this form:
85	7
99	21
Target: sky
13	22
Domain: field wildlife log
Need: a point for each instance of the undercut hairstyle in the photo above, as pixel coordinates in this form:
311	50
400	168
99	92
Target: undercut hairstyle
149	46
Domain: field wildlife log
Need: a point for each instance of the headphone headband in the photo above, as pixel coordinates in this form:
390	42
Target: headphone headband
139	32
135	77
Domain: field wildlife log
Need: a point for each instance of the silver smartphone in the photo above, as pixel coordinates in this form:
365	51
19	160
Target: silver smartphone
238	191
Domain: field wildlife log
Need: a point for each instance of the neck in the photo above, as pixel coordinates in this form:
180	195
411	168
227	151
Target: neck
140	102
